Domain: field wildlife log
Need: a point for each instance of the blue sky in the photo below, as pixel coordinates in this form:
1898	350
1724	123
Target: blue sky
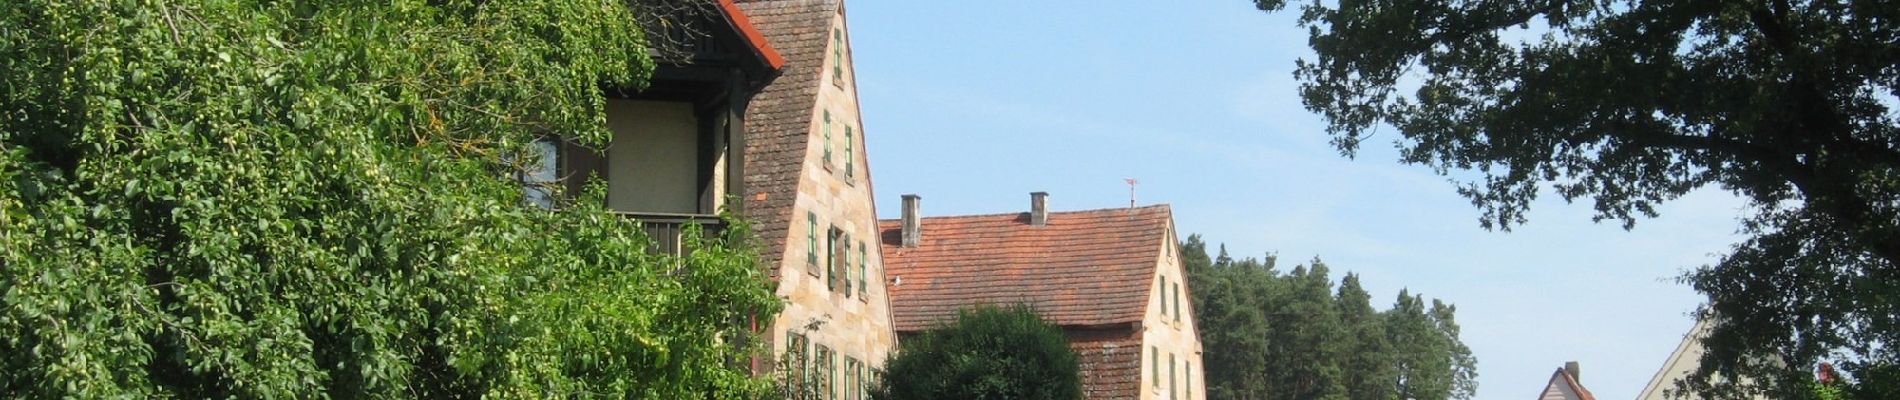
975	104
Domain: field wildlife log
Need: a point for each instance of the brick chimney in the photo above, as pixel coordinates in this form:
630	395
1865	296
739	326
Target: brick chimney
1039	208
912	231
1574	371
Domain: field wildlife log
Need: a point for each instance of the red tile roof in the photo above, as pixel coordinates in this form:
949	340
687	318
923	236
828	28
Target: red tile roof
751	34
778	120
1083	269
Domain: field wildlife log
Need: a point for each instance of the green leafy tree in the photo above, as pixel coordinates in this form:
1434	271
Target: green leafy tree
988	352
311	199
1786	103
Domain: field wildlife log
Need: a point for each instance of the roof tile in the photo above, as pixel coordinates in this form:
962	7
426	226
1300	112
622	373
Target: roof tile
1082	269
778	119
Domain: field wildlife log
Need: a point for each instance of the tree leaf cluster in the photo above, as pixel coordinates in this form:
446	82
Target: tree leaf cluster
315	199
1268	334
1789	104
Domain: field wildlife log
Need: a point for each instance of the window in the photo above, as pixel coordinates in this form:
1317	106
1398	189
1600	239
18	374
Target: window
827	138
795	355
539	174
1154	364
811	243
1187	380
849	159
826	373
853	379
864	271
1171	387
1164	295
837	57
844	262
1177	302
835	265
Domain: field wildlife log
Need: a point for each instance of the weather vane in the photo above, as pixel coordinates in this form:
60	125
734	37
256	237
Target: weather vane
1131	191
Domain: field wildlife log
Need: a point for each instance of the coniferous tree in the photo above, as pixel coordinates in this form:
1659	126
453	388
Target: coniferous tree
1419	351
1307	345
1269	335
1464	367
1368	360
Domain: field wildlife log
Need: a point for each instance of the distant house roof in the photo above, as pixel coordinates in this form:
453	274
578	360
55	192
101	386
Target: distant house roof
778	119
1564	386
1083	269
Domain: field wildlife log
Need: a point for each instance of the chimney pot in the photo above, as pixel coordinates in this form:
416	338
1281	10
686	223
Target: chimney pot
1039	208
912	230
1573	369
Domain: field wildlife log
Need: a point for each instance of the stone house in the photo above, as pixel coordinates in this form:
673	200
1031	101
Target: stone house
1111	278
809	194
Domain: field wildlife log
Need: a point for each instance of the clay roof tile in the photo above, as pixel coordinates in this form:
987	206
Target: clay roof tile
1083	269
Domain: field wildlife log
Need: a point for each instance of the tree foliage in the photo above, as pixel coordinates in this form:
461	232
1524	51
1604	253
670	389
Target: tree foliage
1786	103
1269	335
304	199
989	353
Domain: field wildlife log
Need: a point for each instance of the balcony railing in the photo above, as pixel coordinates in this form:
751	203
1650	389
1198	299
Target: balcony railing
668	230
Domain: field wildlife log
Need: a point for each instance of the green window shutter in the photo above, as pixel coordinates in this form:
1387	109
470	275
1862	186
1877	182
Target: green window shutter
1154	364
844	264
1171	387
837	55
827	138
1177	302
864	270
831	260
811	241
849	152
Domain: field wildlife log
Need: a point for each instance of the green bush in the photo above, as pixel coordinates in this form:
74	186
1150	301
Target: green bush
987	353
311	199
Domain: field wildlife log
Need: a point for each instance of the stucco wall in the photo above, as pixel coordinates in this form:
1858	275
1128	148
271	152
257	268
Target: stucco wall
855	326
653	157
1166	333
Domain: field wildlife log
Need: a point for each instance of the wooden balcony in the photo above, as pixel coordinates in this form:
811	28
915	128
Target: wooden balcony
668	230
